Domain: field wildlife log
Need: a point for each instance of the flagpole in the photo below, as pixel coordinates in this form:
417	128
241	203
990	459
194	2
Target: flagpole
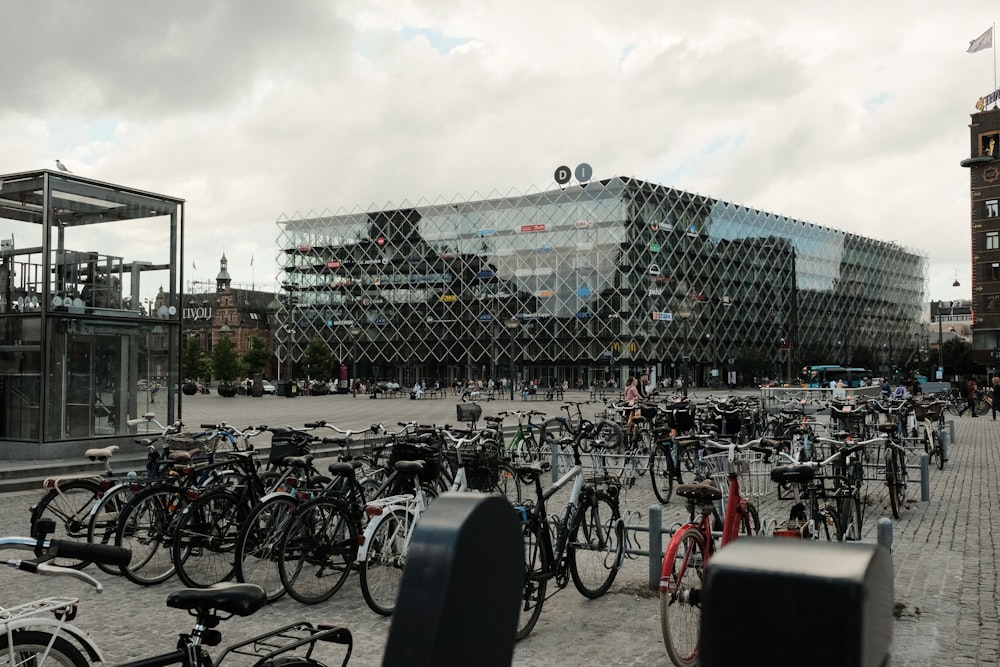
993	40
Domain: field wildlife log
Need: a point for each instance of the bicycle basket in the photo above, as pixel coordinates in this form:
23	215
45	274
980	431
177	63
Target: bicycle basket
431	456
185	442
287	444
753	472
469	412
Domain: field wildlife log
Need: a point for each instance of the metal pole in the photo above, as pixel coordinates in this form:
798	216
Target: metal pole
884	532
510	375
655	546
925	477
940	342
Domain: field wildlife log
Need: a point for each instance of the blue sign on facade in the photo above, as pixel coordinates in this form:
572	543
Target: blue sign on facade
380	321
485	317
484	274
484	232
583	292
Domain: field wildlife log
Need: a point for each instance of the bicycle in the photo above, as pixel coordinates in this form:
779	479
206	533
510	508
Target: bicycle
689	549
523	445
930	417
39	633
587	544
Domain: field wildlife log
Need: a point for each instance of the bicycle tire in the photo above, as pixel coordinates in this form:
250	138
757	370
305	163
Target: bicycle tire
850	518
892	482
750	521
30	645
145	527
535	581
661	473
318	550
595	547
382	570
104	520
608	437
259	542
983	407
937	453
954	407
205	539
828	525
69	507
508	484
553	432
680	597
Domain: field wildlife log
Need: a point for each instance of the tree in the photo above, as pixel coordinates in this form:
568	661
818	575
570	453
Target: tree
226	365
194	363
317	360
957	356
258	355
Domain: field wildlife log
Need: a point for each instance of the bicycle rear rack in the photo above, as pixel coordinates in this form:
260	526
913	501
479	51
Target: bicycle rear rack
295	635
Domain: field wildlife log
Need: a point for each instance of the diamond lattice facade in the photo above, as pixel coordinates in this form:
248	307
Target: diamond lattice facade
593	280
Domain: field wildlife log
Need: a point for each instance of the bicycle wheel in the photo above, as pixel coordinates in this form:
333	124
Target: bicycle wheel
552	433
850	518
936	455
508	485
205	539
382	570
29	647
750	521
535	583
317	550
259	542
983	407
828	524
104	520
680	597
595	545
607	437
954	406
145	528
661	473
69	507
892	482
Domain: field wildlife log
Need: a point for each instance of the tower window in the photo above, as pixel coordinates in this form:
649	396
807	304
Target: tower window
995	271
992	208
992	240
988	145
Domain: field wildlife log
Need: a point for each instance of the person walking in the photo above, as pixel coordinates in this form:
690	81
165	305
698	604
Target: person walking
994	394
970	395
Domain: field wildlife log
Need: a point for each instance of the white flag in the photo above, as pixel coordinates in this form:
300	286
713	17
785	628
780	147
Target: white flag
984	41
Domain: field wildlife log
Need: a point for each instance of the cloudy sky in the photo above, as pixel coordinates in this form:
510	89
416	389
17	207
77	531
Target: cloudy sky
854	118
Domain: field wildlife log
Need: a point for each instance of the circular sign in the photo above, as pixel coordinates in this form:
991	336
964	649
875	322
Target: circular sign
562	175
172	310
583	172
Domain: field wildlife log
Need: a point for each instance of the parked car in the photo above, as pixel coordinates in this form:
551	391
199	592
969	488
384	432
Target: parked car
269	388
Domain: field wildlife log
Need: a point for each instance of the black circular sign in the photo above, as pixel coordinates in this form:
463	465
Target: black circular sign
562	175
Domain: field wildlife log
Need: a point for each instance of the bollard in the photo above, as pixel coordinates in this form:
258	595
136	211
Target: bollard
925	477
845	589
655	546
555	462
951	429
944	448
883	529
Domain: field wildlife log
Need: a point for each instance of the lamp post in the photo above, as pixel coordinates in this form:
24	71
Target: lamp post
513	324
354	331
683	313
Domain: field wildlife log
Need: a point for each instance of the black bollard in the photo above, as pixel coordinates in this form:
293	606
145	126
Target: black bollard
778	596
458	601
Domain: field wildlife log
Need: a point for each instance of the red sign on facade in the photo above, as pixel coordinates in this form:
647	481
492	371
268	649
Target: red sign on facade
540	227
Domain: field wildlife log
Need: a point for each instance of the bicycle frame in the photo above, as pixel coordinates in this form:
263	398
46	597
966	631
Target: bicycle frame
413	504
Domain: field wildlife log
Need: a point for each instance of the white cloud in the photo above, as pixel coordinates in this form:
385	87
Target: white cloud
855	118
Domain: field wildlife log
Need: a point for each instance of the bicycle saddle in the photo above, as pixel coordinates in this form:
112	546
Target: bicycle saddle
297	461
887	428
793	474
238	599
101	454
704	490
409	466
344	468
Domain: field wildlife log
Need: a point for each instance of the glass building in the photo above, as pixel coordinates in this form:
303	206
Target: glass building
80	333
590	282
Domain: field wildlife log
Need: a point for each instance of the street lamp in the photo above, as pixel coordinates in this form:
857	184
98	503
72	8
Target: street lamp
683	313
354	331
513	324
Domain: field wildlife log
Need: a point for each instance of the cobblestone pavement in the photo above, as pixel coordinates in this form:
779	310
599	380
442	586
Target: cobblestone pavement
945	563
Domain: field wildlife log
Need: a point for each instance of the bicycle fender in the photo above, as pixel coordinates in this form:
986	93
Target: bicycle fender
668	558
55	627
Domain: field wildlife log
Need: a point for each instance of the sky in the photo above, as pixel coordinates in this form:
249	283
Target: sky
853	116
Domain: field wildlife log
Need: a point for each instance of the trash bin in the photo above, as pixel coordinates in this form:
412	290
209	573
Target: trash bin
293	390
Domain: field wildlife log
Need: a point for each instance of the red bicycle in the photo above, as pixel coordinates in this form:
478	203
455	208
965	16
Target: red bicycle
689	549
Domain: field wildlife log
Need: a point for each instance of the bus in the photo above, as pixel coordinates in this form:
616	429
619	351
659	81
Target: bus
820	376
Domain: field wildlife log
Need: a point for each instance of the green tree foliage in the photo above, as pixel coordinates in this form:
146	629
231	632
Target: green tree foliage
226	364
957	358
258	355
317	360
194	363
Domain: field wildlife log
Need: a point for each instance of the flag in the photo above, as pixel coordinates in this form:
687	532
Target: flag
984	41
193	265
251	260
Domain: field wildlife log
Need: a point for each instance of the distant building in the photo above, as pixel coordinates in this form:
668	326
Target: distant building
239	313
984	189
